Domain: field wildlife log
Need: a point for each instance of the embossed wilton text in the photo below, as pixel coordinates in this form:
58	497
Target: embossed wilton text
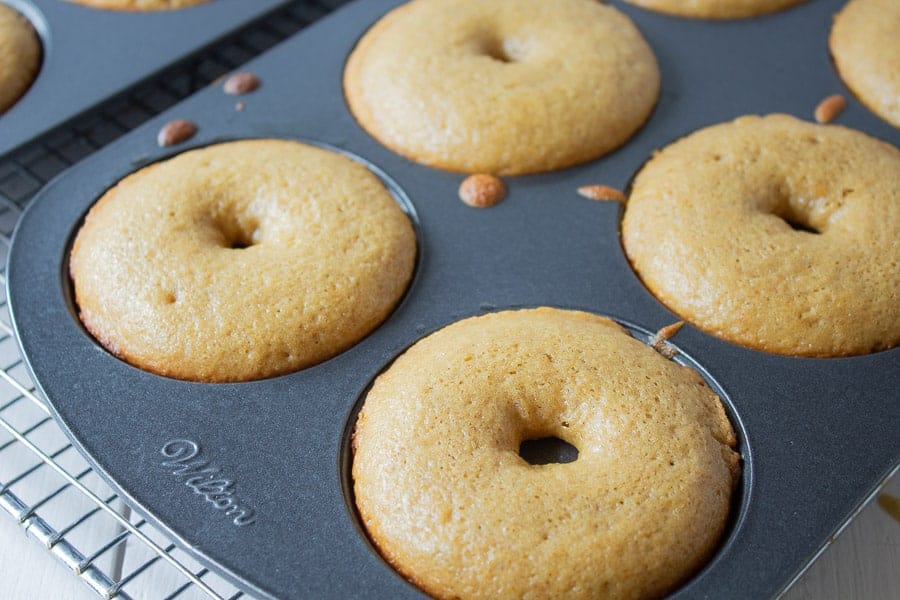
205	481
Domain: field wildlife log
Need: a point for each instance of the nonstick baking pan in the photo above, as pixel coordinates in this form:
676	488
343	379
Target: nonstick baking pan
91	54
818	436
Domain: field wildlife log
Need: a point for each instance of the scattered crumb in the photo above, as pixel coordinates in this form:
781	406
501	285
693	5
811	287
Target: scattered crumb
602	192
658	342
175	132
482	190
890	504
241	83
239	106
830	108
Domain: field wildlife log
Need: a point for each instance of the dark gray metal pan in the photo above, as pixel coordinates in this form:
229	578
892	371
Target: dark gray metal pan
91	54
818	436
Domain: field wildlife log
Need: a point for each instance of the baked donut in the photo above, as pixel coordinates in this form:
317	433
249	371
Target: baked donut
716	9
502	86
865	45
775	234
446	497
20	56
240	261
139	5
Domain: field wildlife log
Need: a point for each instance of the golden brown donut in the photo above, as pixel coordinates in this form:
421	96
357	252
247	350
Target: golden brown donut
774	233
447	499
502	86
20	56
241	260
865	45
716	9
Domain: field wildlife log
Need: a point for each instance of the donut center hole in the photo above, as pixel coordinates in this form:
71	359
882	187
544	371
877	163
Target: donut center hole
547	451
237	233
501	50
800	225
798	220
239	244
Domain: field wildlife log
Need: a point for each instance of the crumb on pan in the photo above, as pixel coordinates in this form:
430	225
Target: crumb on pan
830	108
175	132
482	190
658	342
601	192
241	83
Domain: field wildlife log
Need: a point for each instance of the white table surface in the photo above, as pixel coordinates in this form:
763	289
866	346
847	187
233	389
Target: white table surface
863	563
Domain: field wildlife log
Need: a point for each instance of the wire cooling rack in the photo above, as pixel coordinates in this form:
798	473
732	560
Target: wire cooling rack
45	485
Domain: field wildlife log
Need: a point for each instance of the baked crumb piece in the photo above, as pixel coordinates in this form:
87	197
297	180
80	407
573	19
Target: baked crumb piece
241	83
602	192
658	342
175	132
482	190
830	108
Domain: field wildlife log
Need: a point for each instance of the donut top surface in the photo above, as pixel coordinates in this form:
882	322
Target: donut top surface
20	56
139	5
241	260
502	86
449	502
865	45
716	9
774	233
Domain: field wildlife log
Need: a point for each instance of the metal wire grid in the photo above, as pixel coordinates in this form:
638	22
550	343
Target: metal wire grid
45	485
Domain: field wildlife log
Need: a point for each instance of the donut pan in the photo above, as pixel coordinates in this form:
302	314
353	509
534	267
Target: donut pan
92	54
818	436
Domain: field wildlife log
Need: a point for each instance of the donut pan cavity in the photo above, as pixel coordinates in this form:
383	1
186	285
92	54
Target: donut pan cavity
818	436
91	54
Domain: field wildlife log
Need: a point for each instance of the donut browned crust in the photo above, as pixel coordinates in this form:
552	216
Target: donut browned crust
865	45
774	233
446	498
20	56
502	86
716	9
241	260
